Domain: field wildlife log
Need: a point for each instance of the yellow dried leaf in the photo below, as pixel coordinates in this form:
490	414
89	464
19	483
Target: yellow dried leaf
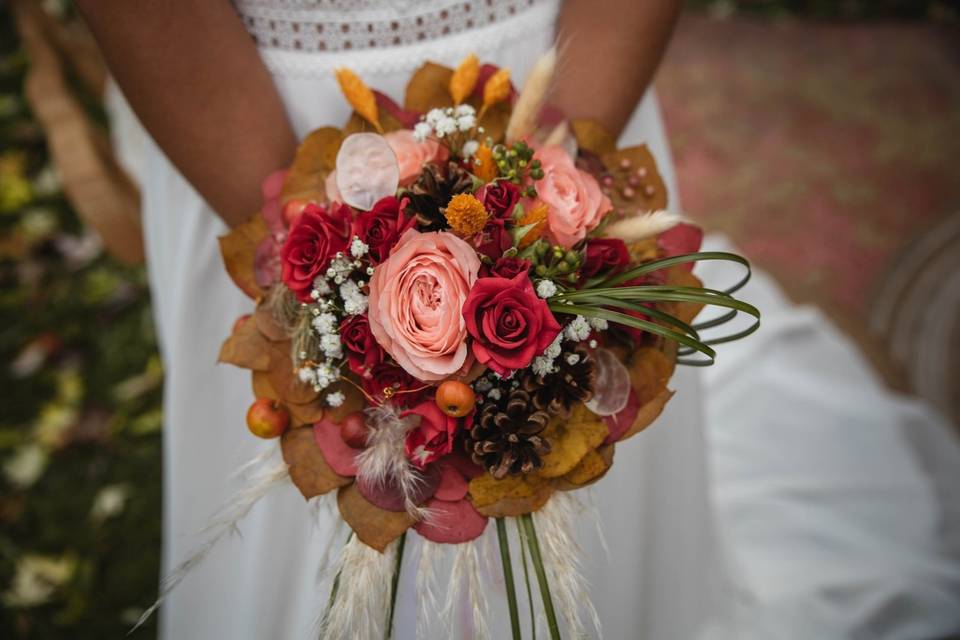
464	78
375	527
513	496
247	348
570	440
359	96
309	472
591	468
497	89
316	157
238	249
428	88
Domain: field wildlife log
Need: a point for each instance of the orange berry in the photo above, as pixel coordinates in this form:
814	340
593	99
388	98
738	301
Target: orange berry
455	398
267	418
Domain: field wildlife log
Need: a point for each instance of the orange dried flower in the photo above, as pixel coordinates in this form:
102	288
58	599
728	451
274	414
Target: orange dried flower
464	79
536	215
360	96
465	214
483	165
496	89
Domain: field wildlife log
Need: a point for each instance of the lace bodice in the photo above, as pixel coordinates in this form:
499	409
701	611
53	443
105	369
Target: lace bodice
349	25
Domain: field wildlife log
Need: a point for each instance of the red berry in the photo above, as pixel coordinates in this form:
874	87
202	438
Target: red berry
354	430
267	418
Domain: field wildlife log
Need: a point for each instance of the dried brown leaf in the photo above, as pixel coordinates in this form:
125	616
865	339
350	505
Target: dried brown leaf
284	379
238	248
268	325
680	277
649	412
375	527
246	348
632	161
309	472
316	157
428	88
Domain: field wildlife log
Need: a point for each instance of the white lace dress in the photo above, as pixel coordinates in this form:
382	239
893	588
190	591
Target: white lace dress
663	580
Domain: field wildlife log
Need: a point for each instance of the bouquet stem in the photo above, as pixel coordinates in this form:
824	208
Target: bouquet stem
530	532
508	578
526	580
395	583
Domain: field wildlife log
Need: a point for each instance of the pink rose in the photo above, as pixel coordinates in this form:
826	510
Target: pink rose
433	437
509	323
412	155
574	200
416	302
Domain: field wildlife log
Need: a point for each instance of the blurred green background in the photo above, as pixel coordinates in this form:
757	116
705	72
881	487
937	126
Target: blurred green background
80	446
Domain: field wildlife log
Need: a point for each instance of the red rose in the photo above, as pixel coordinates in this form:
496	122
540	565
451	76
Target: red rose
387	375
499	198
382	226
363	351
493	240
510	325
314	240
433	438
510	267
604	255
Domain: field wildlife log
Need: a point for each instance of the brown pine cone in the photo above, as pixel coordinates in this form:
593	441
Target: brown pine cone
431	193
506	435
570	383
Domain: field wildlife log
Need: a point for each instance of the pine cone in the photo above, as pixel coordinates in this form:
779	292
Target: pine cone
432	191
506	435
570	383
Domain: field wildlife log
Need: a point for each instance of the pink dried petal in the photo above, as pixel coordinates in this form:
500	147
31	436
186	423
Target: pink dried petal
681	239
619	423
451	522
266	263
341	457
453	486
387	495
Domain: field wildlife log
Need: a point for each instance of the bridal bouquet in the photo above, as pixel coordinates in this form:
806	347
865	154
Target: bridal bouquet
464	304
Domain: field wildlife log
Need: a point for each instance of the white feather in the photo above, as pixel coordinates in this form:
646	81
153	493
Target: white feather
523	120
362	603
644	225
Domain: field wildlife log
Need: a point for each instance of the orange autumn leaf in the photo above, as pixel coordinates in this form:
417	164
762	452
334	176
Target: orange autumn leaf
375	527
464	78
592	136
268	325
536	215
484	166
497	89
359	95
284	379
639	163
309	472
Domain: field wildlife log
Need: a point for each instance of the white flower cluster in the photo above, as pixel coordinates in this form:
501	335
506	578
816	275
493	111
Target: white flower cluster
578	330
319	377
354	301
543	365
546	289
446	122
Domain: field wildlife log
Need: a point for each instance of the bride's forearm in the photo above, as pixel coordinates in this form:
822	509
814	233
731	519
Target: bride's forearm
610	53
194	77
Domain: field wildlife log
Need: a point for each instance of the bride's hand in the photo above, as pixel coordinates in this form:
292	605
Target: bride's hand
194	77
